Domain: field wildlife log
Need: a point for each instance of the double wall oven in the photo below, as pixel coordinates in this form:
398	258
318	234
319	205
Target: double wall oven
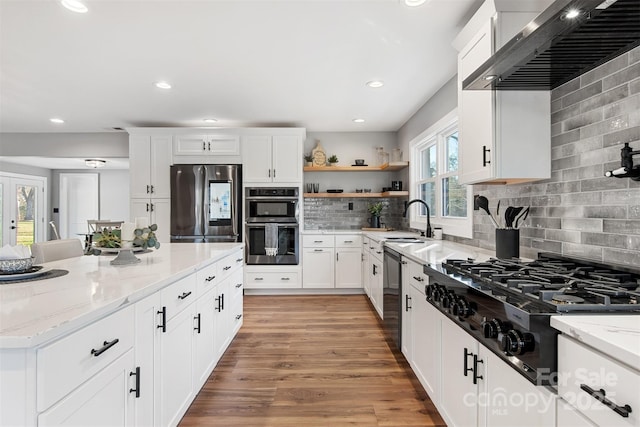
272	229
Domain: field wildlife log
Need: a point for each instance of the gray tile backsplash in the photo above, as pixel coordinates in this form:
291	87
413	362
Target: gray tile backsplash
578	212
334	214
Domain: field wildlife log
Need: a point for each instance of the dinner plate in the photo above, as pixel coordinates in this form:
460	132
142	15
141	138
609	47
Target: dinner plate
35	272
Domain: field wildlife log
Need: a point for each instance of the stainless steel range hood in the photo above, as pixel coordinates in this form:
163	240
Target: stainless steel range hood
553	49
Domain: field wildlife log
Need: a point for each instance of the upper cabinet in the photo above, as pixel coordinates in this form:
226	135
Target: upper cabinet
149	159
275	158
505	136
206	145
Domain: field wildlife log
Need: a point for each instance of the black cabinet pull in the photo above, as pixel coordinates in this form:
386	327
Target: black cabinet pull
239	285
227	267
163	325
152	189
184	295
374	269
466	365
476	377
418	278
407	299
239	316
599	395
222	304
239	260
219	301
105	346
137	389
210	278
148	189
485	150
197	318
147	207
204	146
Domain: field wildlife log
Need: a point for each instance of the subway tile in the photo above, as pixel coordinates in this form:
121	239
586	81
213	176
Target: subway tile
556	105
631	226
592	157
566	211
617	212
565	89
591	171
546	200
602	184
581	120
621	197
563	236
620	256
604	70
583	93
622	136
604	239
565	113
634	55
607	126
532	233
563	187
582	251
544	222
546	246
565	163
634	86
619	78
585	199
588	224
634	212
556	128
633	242
605	99
565	138
622	107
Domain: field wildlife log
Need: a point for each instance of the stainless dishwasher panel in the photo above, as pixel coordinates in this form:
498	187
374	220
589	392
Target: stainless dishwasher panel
392	296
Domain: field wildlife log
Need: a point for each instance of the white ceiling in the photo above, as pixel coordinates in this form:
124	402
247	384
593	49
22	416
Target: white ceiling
245	63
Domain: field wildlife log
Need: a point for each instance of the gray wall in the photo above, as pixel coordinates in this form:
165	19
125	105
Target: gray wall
104	144
579	212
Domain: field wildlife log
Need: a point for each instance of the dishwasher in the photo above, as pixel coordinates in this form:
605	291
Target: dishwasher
392	296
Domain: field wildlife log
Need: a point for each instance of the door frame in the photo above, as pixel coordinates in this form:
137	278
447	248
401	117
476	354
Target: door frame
41	208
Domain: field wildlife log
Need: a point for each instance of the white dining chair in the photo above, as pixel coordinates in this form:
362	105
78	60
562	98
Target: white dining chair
55	250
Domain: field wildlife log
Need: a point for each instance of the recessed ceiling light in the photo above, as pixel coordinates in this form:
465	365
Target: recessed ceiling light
375	83
490	77
75	6
414	3
94	163
210	120
56	120
163	85
573	13
358	120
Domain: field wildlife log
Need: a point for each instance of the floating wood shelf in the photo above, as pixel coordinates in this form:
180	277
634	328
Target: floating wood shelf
360	195
387	167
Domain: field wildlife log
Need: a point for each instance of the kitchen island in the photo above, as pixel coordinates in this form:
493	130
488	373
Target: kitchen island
118	345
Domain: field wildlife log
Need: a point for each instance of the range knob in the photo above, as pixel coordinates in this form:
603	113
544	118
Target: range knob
461	308
491	328
515	342
435	292
448	299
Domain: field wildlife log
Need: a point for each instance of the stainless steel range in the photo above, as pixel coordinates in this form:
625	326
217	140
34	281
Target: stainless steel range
507	304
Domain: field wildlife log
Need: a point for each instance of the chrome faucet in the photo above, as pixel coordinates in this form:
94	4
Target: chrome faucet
428	232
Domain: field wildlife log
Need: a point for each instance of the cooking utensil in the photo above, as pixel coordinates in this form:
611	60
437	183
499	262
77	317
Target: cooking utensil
507	216
514	214
522	216
498	210
483	203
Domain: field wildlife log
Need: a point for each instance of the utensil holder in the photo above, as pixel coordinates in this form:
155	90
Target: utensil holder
507	243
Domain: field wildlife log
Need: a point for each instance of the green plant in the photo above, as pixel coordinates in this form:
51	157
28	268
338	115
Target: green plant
333	159
375	208
146	237
107	239
308	158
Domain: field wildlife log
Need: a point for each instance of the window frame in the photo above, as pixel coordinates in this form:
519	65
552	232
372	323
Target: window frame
436	135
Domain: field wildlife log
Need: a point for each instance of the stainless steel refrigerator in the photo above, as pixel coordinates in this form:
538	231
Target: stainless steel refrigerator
206	203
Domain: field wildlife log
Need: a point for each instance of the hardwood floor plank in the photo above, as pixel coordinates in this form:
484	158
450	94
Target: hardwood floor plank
311	361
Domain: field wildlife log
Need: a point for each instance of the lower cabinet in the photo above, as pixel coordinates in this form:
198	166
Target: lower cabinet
332	261
376	280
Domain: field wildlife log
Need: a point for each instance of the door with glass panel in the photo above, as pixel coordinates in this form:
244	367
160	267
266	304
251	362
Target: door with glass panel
23	208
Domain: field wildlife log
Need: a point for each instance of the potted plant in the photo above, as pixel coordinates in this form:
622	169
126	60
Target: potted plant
308	159
332	160
375	209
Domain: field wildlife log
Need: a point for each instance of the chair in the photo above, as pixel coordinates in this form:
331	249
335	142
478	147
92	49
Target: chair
55	250
97	225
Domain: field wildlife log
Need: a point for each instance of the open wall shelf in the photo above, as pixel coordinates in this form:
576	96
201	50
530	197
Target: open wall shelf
387	167
358	195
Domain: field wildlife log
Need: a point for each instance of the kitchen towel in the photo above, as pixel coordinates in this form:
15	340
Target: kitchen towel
271	239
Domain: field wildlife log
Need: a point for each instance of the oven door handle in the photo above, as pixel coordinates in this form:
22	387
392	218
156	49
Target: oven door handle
277	224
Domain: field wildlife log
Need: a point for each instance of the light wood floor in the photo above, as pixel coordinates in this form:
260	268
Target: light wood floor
311	361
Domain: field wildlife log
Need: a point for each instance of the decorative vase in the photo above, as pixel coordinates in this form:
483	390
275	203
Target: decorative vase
374	221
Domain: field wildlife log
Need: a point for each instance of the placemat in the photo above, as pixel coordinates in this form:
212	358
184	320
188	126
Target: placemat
48	275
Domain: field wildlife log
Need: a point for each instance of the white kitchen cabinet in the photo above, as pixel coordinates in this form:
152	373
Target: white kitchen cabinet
332	261
236	284
318	268
146	353
206	145
204	333
157	211
102	400
149	162
505	136
568	416
272	158
366	266
348	269
262	277
376	274
222	313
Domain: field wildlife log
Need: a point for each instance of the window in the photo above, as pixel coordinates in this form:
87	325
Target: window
435	168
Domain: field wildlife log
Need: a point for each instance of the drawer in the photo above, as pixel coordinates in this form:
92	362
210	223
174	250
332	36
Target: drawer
229	264
177	296
348	241
237	285
417	278
317	241
67	363
207	278
271	280
582	368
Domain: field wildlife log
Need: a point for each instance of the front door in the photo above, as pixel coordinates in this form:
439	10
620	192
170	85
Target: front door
23	209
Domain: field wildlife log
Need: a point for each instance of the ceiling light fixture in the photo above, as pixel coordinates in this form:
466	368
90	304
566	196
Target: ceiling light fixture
75	6
490	77
375	83
414	3
94	163
573	13
358	120
56	120
210	120
163	85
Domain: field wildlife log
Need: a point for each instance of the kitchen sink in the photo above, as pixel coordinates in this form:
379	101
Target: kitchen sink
404	240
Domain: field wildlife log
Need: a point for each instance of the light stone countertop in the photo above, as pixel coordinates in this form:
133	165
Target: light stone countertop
615	335
32	313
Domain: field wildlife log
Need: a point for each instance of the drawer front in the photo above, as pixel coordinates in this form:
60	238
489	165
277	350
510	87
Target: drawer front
583	372
348	241
177	296
270	280
317	241
67	363
207	278
229	264
417	278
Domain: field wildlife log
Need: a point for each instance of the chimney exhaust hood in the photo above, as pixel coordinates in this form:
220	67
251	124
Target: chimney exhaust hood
554	49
